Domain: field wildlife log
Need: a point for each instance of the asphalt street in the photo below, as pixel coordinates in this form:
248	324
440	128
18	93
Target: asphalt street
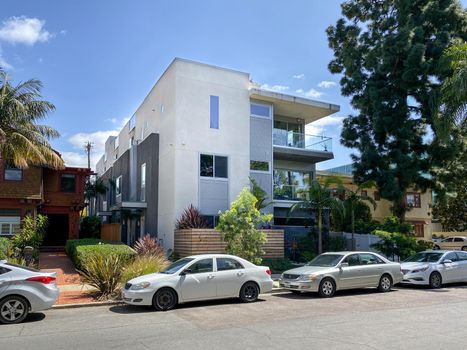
405	318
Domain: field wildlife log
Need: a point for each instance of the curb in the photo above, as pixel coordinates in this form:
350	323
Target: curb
120	302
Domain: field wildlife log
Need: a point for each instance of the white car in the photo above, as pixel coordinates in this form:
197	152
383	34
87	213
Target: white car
435	268
24	290
199	277
452	243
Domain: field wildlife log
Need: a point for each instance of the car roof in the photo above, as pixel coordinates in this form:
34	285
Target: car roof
213	256
351	252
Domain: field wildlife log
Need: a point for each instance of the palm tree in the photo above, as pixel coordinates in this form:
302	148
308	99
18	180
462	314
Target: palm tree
317	199
93	189
22	141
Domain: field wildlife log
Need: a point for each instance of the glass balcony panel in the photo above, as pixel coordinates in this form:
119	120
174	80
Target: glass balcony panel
285	138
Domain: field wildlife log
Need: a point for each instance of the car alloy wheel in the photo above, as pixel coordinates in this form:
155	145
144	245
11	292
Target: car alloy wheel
13	309
327	288
385	284
249	292
435	280
165	299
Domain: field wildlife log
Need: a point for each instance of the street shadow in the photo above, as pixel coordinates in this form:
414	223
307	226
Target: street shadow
134	309
338	294
32	317
444	289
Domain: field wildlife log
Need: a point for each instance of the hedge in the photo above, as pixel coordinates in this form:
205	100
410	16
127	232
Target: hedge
4	245
80	249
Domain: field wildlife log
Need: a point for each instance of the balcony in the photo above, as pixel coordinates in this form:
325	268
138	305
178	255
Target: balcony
291	145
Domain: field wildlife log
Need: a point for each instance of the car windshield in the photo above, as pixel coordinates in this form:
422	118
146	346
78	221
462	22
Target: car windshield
425	257
176	266
325	260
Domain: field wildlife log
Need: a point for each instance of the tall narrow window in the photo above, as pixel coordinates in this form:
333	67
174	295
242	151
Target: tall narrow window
214	112
143	183
118	186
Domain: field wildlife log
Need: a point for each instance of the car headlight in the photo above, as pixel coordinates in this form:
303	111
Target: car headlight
141	285
422	269
308	278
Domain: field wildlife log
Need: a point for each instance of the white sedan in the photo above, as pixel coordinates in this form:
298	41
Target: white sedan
435	268
199	277
452	243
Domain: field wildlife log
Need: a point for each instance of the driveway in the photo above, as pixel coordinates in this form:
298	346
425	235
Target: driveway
403	319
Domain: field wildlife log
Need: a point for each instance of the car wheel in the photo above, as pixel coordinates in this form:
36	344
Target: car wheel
327	288
385	283
436	247
165	299
13	309
435	280
249	292
464	248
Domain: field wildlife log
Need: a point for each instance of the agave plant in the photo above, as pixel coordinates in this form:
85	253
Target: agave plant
190	218
148	245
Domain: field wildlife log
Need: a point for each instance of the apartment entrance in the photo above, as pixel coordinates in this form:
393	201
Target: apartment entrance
56	233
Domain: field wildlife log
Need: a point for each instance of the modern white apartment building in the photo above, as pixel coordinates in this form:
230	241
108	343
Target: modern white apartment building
196	138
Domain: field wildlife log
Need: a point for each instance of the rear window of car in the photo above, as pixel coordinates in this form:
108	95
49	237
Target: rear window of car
224	264
462	256
3	270
22	267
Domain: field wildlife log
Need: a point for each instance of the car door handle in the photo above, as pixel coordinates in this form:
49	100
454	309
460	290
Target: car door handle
240	273
210	277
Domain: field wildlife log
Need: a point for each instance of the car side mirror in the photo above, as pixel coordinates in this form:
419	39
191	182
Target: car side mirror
344	264
447	261
186	272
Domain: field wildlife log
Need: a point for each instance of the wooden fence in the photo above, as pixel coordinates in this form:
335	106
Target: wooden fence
208	241
110	232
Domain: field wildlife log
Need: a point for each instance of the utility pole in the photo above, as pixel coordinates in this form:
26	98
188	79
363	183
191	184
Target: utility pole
87	147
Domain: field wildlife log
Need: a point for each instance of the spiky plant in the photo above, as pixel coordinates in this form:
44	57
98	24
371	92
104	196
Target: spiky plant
191	218
148	245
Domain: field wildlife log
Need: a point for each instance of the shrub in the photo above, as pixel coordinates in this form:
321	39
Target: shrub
31	234
81	250
90	227
396	243
190	218
5	246
278	265
238	226
148	245
103	272
144	265
394	224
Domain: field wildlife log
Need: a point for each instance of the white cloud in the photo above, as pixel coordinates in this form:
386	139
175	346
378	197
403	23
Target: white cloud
327	84
276	88
312	93
24	30
299	91
321	125
3	63
299	76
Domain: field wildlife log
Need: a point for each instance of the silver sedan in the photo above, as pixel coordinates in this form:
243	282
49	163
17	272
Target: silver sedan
342	270
24	290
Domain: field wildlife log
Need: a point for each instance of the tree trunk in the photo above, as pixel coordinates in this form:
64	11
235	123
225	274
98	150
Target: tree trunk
320	234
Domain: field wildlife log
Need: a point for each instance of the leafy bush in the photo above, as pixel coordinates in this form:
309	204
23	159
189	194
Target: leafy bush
278	265
5	246
144	265
103	272
190	218
31	234
238	226
90	227
148	245
398	244
394	224
81	250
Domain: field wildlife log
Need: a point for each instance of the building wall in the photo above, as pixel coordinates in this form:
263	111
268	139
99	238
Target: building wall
30	187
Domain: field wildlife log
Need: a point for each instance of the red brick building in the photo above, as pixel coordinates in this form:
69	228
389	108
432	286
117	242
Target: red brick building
59	194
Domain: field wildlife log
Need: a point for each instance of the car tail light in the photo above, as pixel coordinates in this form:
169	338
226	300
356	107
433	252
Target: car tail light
268	271
41	279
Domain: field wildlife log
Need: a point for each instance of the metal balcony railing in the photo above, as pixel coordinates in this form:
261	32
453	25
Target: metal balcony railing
292	139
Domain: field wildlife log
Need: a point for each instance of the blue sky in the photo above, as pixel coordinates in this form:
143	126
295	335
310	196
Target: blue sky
99	59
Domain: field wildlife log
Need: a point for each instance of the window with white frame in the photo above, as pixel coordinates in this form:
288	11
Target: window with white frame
213	166
9	225
143	182
118	186
260	110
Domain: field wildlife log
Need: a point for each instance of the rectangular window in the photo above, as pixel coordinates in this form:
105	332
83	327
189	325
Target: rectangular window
118	186
418	229
116	143
257	165
214	112
132	122
260	110
143	182
412	199
68	183
9	225
364	193
13	174
377	196
213	166
291	184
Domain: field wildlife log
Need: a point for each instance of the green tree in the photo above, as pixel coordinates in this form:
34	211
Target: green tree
452	210
94	188
238	226
389	53
259	193
318	199
23	142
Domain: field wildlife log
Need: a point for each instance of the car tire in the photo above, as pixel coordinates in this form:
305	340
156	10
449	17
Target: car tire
165	299
436	247
13	309
249	292
385	284
327	288
435	281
